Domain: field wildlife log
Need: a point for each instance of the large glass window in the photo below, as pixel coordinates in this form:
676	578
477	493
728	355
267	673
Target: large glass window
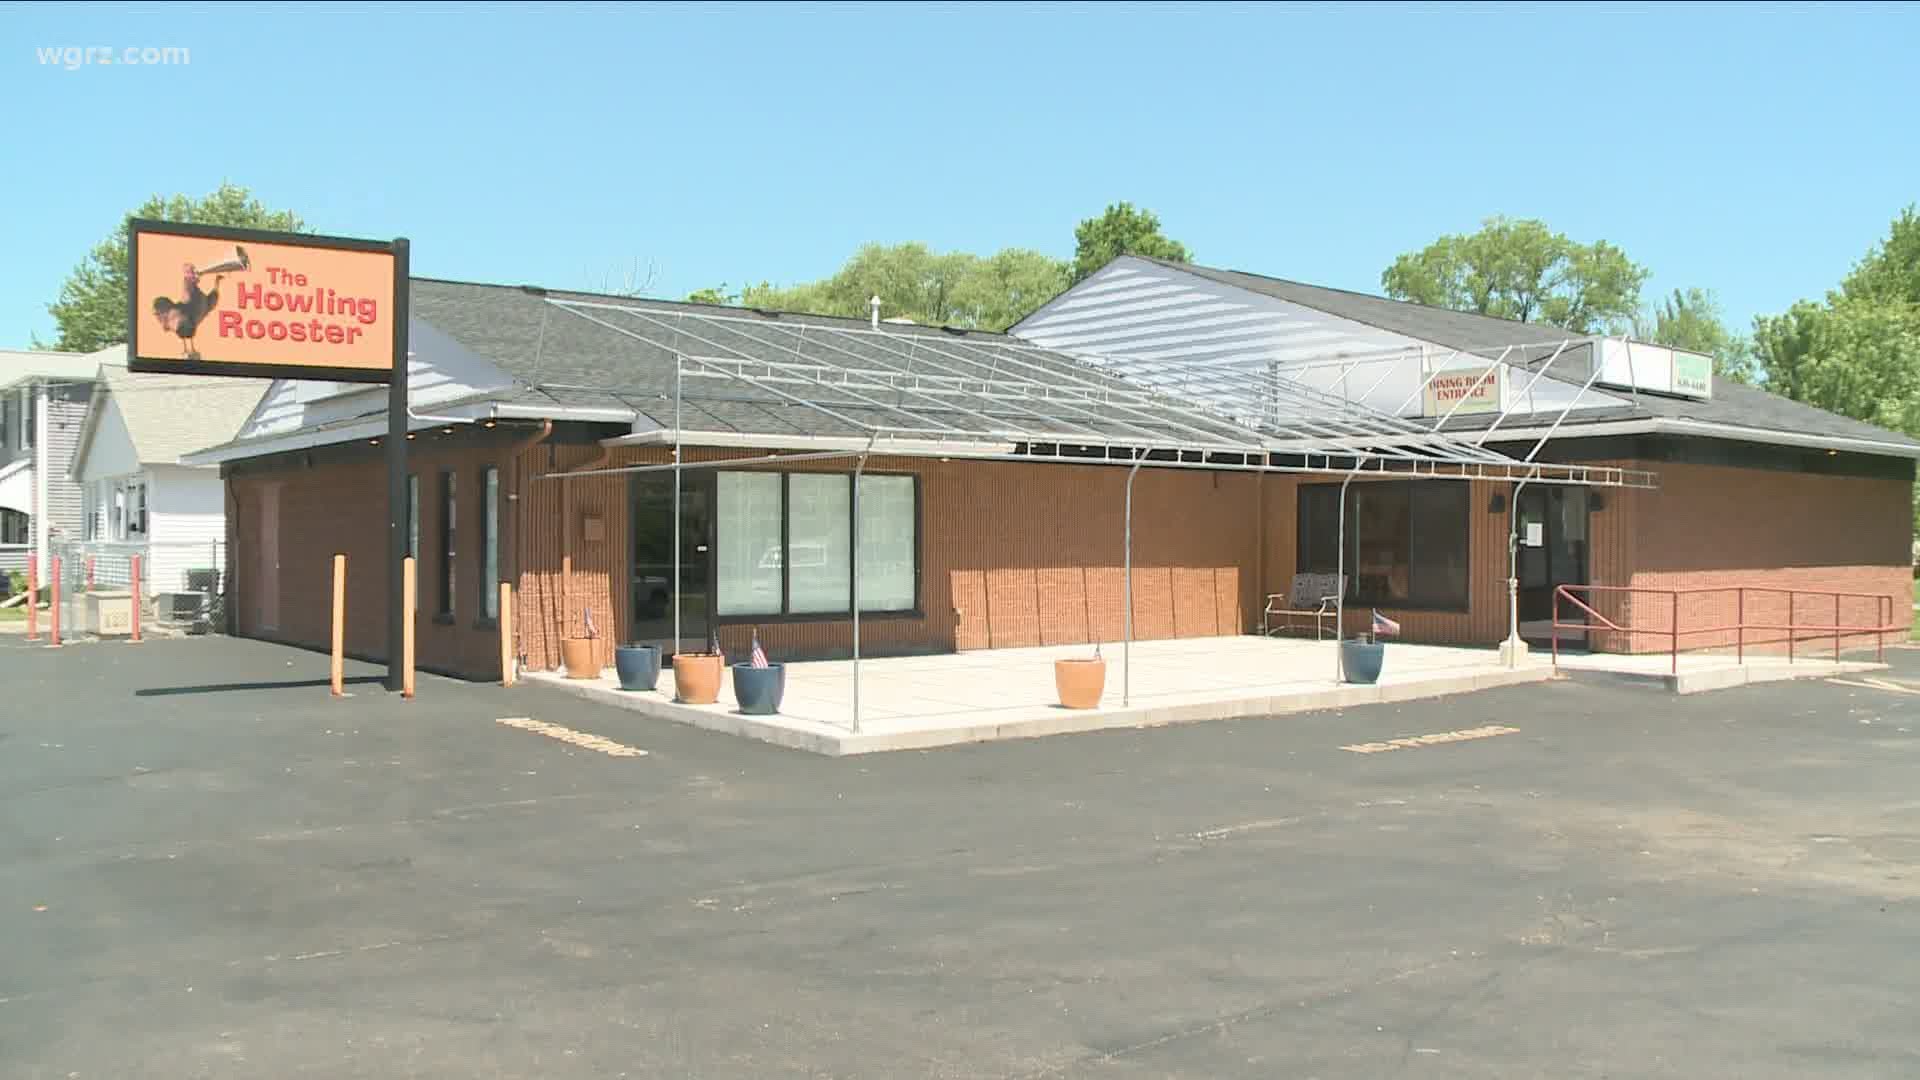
1407	542
783	543
819	518
748	551
490	542
887	548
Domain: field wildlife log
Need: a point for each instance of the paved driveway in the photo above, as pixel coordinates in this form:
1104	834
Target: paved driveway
209	869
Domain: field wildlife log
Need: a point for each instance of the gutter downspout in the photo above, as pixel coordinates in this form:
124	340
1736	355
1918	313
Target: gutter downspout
515	454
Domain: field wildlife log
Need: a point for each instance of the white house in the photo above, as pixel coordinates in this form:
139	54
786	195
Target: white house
136	496
43	401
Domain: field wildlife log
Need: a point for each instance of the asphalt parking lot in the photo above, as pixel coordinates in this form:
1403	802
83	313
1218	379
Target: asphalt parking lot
210	869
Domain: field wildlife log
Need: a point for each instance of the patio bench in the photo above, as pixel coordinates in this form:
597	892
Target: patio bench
1313	596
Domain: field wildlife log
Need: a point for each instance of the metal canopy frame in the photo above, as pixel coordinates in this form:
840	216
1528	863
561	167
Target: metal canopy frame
945	394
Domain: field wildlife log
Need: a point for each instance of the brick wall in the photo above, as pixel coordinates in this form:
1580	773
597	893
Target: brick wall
1716	527
341	507
1011	555
1031	554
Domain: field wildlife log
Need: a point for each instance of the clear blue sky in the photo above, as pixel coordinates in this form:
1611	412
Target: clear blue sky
1757	152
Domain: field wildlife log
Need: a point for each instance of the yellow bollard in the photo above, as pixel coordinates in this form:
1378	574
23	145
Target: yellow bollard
407	600
339	626
506	634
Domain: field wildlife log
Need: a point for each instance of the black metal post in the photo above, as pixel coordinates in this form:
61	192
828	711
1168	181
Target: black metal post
397	473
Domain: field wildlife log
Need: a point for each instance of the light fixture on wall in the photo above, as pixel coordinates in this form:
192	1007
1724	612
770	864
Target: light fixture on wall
1497	504
1596	502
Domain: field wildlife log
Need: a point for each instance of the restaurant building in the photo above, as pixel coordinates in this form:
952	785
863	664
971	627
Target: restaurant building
1020	489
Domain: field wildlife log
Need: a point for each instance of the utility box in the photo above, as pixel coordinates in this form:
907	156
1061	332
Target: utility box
110	614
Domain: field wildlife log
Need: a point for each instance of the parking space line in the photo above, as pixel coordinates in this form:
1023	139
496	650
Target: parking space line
581	739
1871	683
1413	741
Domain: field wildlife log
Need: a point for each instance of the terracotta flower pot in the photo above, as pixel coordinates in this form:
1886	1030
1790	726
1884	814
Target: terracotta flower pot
576	655
1080	682
696	677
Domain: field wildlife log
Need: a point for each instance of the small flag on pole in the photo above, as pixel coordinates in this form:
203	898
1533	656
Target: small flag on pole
1383	626
759	654
713	643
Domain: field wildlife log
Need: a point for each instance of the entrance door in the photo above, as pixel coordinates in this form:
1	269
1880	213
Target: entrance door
652	582
267	569
1552	523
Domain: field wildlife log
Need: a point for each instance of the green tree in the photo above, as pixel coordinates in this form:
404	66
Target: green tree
1858	358
1522	270
713	294
1858	352
915	282
1122	229
1890	273
92	310
1691	320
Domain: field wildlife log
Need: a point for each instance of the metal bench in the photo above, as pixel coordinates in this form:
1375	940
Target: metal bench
1313	596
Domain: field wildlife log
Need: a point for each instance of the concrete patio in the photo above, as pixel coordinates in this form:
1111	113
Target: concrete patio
914	703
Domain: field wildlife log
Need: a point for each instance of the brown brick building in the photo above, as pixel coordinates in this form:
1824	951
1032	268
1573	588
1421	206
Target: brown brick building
970	549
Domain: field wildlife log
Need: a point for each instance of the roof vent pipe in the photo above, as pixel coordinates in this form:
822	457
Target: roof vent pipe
874	305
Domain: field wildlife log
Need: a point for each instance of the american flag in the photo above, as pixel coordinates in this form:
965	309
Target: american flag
759	654
590	631
1383	626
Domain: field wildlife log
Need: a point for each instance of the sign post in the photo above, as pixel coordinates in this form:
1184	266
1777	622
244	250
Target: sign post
397	665
210	300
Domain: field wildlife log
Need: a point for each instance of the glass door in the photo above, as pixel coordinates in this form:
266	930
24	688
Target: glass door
652	582
1552	526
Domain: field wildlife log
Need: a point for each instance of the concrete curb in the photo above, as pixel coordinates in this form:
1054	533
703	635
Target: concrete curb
1700	682
1029	722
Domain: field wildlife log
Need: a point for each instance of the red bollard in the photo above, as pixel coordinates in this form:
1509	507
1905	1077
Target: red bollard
53	603
134	575
33	598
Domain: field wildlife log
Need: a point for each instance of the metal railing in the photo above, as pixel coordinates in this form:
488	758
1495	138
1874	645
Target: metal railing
1741	627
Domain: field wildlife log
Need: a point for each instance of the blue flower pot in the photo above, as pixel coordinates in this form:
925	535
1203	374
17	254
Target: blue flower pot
637	665
759	689
1361	660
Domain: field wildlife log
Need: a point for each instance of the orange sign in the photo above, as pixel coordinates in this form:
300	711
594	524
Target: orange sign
217	301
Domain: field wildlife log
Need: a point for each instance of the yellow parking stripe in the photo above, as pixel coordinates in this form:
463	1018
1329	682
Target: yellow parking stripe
1413	741
571	737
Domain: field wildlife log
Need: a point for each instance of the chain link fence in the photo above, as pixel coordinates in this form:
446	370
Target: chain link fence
181	587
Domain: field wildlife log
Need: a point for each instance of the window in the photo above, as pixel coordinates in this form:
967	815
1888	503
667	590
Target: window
1407	542
8	421
30	409
490	543
819	537
136	511
887	543
447	507
14	527
784	543
748	549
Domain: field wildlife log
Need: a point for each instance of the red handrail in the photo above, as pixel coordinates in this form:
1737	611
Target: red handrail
1883	609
